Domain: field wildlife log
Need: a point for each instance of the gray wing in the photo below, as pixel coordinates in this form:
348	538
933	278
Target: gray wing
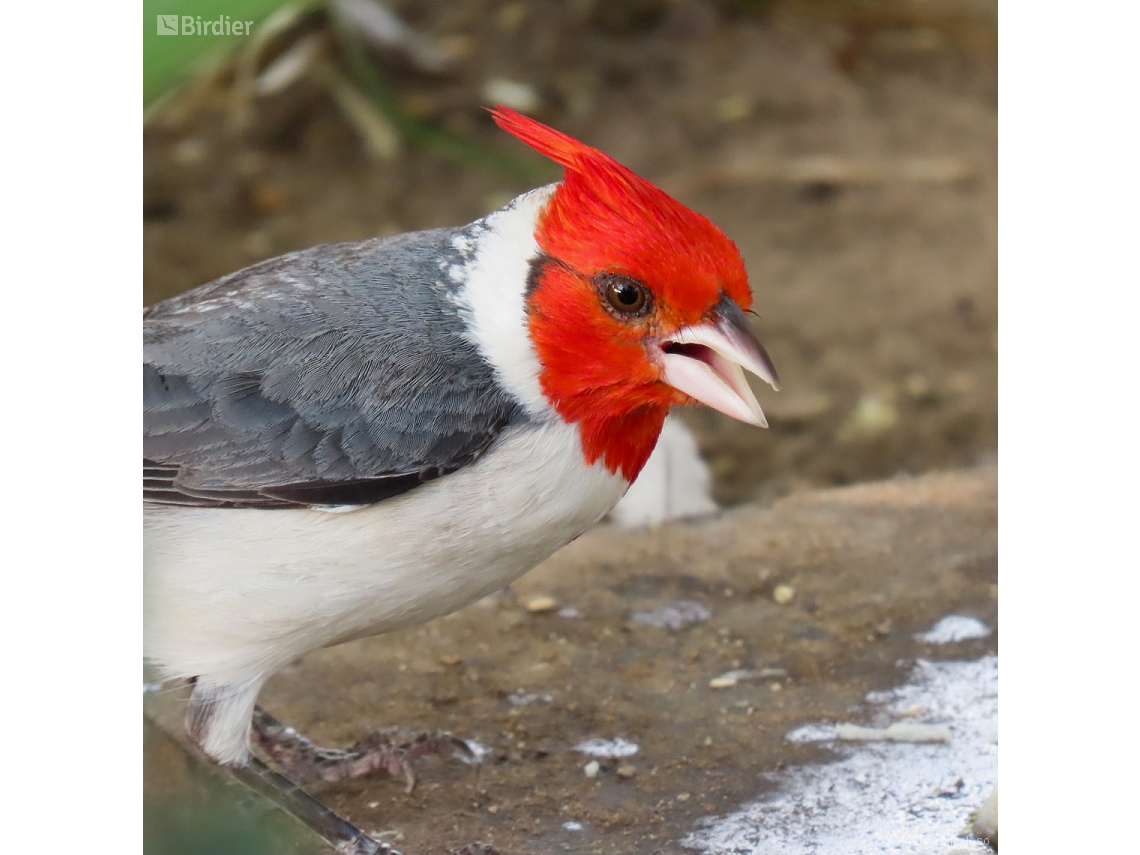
335	375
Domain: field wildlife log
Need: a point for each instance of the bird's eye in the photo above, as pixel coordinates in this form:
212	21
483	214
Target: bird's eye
623	295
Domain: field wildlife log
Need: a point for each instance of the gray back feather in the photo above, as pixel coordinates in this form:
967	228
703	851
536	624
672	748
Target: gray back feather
335	375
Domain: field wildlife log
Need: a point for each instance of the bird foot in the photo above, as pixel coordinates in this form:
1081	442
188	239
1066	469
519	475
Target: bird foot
383	750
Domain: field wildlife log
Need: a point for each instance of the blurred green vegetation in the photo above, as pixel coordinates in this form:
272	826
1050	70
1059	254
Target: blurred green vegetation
190	808
171	60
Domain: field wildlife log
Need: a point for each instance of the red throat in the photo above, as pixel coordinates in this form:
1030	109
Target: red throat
594	376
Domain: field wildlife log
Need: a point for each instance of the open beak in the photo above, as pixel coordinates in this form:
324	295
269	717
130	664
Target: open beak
707	362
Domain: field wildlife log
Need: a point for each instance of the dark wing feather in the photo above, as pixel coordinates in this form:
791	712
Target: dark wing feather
336	375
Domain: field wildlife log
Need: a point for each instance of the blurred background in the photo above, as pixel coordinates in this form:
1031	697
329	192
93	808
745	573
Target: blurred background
847	146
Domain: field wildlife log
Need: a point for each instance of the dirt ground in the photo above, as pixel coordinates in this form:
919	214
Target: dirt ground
870	566
877	286
849	148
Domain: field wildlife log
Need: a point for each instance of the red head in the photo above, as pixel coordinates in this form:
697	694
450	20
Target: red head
636	304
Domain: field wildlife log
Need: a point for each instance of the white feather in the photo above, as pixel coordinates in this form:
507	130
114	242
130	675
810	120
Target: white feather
492	297
232	595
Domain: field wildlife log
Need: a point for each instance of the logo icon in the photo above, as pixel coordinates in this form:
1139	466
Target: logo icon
168	25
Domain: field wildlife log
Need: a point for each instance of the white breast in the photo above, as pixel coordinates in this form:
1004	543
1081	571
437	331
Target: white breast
233	594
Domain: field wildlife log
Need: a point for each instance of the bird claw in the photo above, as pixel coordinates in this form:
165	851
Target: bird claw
378	751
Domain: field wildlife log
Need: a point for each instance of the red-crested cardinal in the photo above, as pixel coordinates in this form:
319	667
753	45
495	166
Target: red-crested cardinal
359	437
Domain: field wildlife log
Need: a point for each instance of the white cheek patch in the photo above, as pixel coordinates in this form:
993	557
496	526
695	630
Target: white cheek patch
492	275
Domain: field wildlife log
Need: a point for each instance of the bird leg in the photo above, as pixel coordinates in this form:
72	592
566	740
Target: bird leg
304	761
218	708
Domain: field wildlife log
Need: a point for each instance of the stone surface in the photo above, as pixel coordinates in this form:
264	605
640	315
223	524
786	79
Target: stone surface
872	565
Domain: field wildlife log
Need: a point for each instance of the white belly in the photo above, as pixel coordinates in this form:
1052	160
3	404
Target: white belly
233	594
